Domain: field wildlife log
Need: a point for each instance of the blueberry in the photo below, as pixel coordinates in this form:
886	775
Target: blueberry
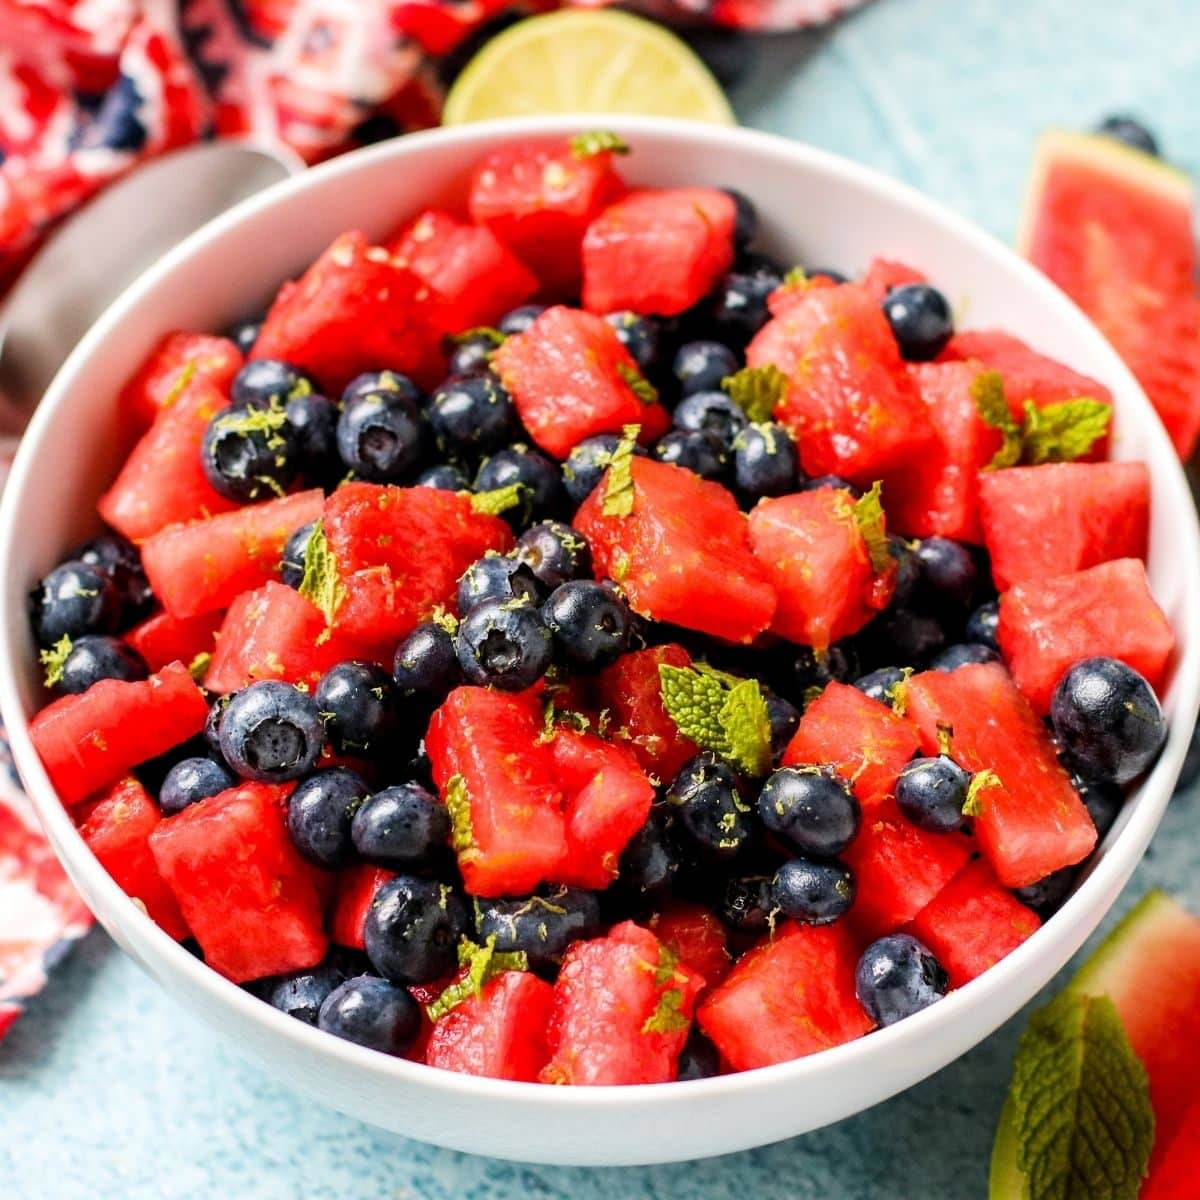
590	624
97	656
313	421
413	929
765	461
291	565
250	454
947	574
746	903
983	624
542	926
473	414
811	891
379	436
700	453
745	221
705	797
713	413
262	380
817	482
555	553
472	354
302	993
1131	131
539	477
754	262
898	976
698	1059
912	637
360	707
504	644
1046	895
965	654
816	668
319	813
372	1012
193	779
212	725
371	382
1108	720
639	335
700	366
931	793
651	858
921	320
446	477
783	716
1103	799
403	827
245	333
587	462
120	560
812	811
426	666
738	306
519	319
76	598
908	570
272	732
881	684
497	577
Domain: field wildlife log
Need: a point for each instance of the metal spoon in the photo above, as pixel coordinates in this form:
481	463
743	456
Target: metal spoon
97	251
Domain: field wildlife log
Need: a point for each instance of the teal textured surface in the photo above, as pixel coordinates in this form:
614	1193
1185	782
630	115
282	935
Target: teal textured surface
108	1091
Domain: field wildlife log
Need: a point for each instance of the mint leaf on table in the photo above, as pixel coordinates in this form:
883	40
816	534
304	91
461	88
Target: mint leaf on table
618	484
756	390
1080	1102
720	713
1062	432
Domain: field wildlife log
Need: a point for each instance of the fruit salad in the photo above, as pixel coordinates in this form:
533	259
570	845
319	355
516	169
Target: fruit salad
561	642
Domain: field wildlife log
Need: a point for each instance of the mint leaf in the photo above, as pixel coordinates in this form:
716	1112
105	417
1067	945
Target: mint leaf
496	336
199	665
597	141
694	702
638	384
747	727
618	482
720	713
987	390
795	278
457	800
868	516
55	660
321	582
1081	1104
498	500
981	781
668	1015
483	964
756	390
1062	432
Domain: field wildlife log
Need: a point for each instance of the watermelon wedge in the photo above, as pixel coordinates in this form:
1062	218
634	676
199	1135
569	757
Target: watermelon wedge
1112	226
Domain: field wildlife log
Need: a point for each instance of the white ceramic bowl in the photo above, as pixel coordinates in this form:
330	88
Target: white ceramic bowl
814	208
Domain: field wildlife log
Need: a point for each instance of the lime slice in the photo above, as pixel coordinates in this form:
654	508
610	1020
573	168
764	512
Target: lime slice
585	61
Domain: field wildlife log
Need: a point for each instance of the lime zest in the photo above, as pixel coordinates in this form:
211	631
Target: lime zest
869	517
321	581
55	660
180	385
797	277
483	964
637	383
618	484
756	390
981	781
265	421
598	141
489	332
444	619
199	665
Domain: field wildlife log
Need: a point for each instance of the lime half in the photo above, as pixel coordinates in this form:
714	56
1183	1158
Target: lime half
586	61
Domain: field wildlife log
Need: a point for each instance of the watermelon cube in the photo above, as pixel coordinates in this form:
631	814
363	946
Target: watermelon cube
1176	1165
207	564
814	555
249	898
354	310
1033	822
117	831
631	689
682	554
570	377
353	896
474	277
178	358
1046	625
539	198
88	741
862	739
973	922
658	250
500	1034
695	935
1084	513
163	481
163	639
884	274
622	1010
497	780
790	996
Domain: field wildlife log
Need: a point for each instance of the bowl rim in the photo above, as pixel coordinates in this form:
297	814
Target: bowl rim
1108	873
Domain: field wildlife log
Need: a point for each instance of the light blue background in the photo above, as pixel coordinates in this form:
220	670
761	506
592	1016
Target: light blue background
108	1092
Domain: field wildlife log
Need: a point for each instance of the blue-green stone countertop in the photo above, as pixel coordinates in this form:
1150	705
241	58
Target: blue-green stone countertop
109	1092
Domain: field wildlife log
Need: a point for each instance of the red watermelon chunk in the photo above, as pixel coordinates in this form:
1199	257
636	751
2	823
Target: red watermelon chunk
500	1034
622	1011
1173	1176
814	555
1044	521
206	565
88	741
354	310
475	278
506	807
354	894
695	935
884	274
973	922
658	250
898	870
790	996
539	198
851	402
683	554
862	739
1046	625
163	639
173	363
163	481
631	689
117	831
1034	822
247	895
570	377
